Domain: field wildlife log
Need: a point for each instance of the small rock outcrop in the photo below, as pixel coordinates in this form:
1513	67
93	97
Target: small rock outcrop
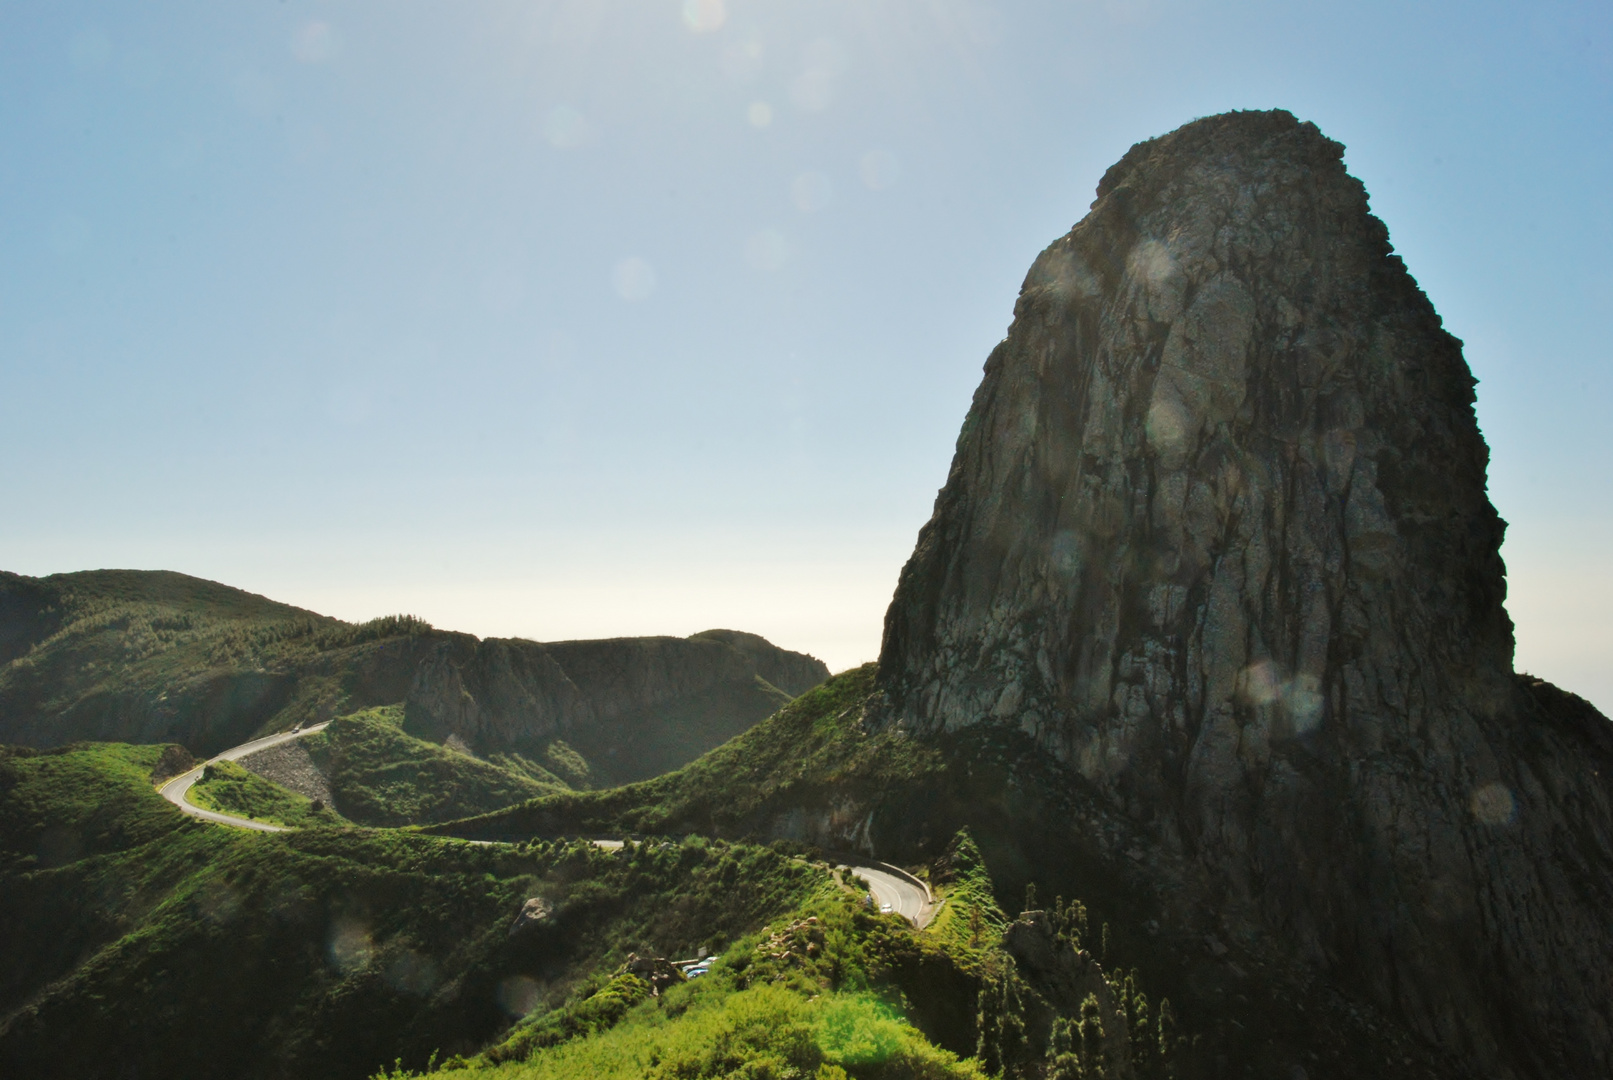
533	912
175	760
658	971
290	765
1216	535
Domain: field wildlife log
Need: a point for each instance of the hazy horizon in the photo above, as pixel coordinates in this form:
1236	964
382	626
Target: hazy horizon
582	319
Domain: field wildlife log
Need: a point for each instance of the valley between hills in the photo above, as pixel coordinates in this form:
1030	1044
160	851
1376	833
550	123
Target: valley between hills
1195	726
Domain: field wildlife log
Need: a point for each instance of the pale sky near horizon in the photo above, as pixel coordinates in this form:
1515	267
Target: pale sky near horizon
600	317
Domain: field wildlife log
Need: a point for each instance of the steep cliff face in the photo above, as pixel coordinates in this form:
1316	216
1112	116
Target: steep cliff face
1216	535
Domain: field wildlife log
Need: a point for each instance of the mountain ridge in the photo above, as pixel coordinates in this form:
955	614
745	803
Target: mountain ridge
155	656
1208	628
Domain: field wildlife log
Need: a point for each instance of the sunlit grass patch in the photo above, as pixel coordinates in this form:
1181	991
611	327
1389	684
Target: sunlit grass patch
763	1031
230	788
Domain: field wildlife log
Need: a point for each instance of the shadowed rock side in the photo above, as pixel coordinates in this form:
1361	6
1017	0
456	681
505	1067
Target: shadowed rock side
634	707
1216	535
141	656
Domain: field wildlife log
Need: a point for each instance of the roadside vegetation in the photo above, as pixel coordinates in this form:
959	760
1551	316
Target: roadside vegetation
814	749
836	990
152	940
812	996
228	788
381	775
138	936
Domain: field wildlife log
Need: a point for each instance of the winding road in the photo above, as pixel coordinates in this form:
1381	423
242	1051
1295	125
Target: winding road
892	888
176	789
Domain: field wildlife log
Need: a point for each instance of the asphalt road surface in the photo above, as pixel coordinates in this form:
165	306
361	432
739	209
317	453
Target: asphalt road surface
896	890
176	789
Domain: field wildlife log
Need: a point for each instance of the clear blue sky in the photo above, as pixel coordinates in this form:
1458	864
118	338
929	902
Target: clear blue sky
629	316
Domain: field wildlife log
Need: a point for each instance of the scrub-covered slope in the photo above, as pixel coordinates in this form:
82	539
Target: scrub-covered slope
155	657
142	942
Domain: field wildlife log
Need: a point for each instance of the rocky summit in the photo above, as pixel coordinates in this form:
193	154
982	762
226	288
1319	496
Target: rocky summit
1216	536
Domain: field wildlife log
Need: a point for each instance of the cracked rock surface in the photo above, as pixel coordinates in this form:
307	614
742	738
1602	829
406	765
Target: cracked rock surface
1216	534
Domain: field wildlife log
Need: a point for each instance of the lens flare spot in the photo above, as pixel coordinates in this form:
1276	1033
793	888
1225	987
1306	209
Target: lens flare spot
704	16
760	114
1493	804
519	995
879	170
1262	683
1303	700
633	278
1066	551
1152	261
811	191
349	946
1166	426
766	249
218	903
565	127
315	43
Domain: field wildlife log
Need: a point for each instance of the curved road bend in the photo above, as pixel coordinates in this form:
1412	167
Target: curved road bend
896	889
900	891
176	789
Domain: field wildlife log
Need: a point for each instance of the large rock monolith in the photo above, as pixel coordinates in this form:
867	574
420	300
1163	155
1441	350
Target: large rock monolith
1217	536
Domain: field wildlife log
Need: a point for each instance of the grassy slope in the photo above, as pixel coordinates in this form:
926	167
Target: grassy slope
157	657
169	657
838	991
137	938
231	789
802	998
148	939
814	749
380	775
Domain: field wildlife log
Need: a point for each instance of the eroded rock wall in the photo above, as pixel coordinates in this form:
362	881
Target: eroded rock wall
1216	534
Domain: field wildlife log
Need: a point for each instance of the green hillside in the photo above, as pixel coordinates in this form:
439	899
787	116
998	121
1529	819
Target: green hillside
232	789
380	775
137	656
813	755
371	772
148	941
138	939
144	937
819	772
155	656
